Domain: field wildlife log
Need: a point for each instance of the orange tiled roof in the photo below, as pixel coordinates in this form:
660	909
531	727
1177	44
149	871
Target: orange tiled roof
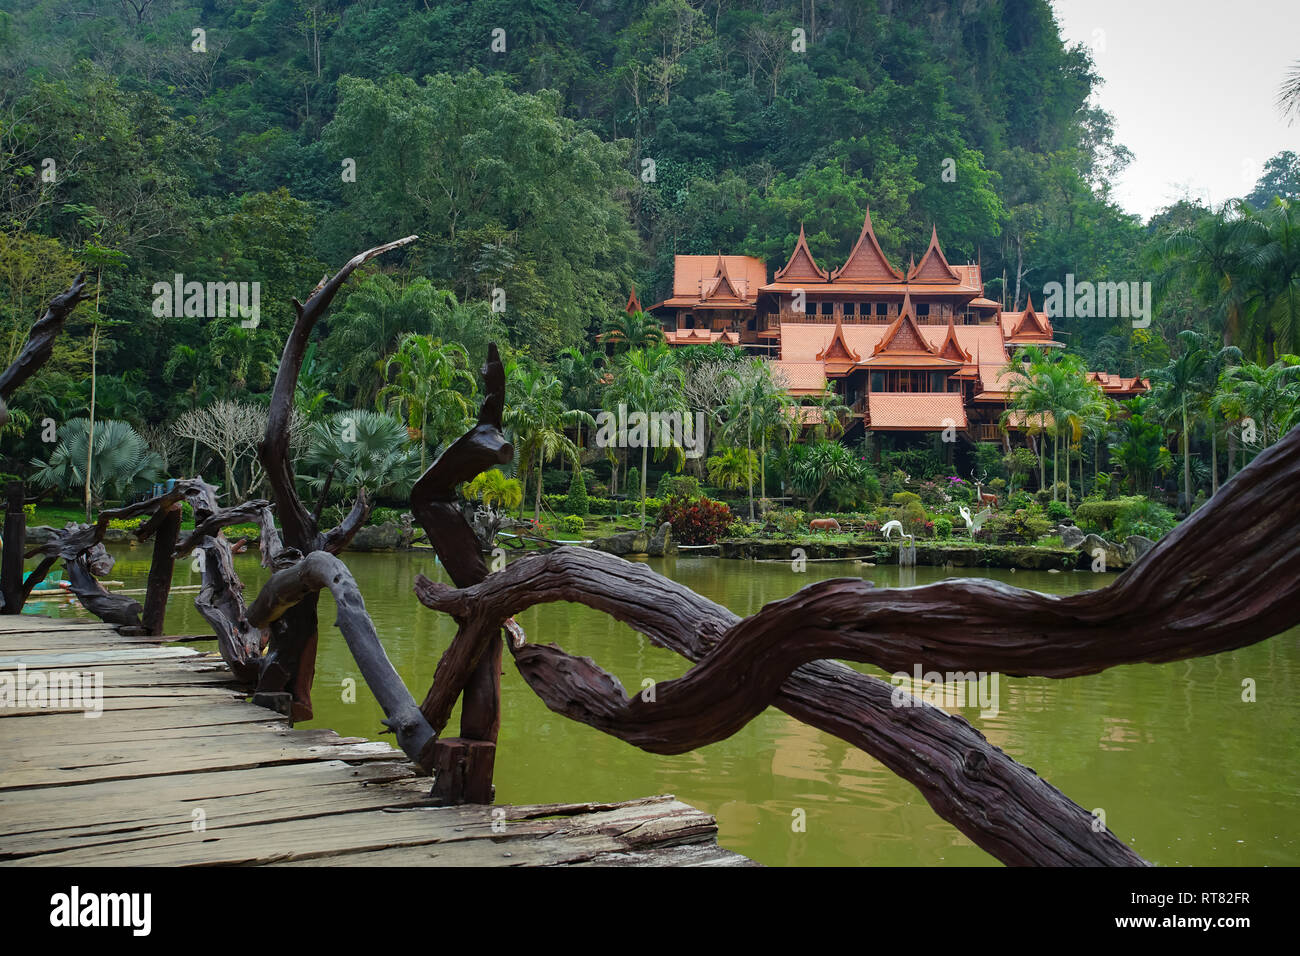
633	303
915	411
699	337
802	378
933	267
802	267
867	261
698	282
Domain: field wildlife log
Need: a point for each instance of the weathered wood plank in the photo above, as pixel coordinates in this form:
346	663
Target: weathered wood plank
176	736
457	836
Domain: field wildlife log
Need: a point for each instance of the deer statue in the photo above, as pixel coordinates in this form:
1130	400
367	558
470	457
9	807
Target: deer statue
989	499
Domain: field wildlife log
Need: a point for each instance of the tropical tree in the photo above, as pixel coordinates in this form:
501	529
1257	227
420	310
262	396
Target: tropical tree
649	381
431	388
536	419
814	468
1264	398
759	411
632	330
121	462
372	451
732	468
1175	391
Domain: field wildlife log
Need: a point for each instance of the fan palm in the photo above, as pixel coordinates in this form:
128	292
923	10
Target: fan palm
120	461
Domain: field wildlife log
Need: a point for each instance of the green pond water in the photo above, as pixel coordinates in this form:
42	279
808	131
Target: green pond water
1184	770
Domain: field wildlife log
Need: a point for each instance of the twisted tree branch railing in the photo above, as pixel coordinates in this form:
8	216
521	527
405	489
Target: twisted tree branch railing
1227	577
288	669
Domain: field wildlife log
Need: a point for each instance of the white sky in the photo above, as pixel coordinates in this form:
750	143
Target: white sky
1192	86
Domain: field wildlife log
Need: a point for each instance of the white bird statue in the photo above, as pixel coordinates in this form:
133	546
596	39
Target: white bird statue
891	526
973	524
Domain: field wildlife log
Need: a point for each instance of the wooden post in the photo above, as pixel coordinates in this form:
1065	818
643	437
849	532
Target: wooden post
159	585
11	563
463	770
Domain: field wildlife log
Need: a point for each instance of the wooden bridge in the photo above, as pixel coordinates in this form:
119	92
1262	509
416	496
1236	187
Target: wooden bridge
180	770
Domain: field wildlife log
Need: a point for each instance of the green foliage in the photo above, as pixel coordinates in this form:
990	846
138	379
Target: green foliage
791	521
120	461
380	515
943	527
1057	510
576	503
572	524
678	486
495	490
633	483
1145	517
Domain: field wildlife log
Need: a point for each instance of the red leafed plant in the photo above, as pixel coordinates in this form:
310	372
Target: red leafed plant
696	520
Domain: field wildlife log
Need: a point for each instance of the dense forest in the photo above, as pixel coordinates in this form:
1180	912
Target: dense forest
551	156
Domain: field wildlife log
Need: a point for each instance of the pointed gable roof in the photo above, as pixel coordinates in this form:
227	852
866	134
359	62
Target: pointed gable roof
951	348
867	260
633	303
802	267
837	351
1031	323
904	335
933	266
720	286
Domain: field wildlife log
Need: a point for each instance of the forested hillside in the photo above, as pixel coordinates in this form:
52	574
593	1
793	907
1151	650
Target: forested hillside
558	151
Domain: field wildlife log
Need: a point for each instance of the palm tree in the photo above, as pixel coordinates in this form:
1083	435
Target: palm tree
120	461
820	465
1136	444
378	312
433	390
1174	390
1216	361
535	417
372	450
648	381
732	468
582	375
632	330
1031	397
1267	395
1273	257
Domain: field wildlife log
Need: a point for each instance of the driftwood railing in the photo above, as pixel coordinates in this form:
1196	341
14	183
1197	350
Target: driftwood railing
1226	577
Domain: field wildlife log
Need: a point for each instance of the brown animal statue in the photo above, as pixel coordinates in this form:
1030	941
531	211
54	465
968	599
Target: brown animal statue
824	524
985	498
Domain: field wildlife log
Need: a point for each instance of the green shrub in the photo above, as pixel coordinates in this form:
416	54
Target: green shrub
576	502
791	522
384	516
1019	499
743	529
29	512
943	527
572	524
902	498
632	487
1058	510
998	485
1145	517
125	524
678	486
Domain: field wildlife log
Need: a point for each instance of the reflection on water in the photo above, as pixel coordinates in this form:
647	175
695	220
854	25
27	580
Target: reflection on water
1185	770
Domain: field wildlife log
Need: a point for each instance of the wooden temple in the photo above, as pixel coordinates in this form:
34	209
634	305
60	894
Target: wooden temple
915	350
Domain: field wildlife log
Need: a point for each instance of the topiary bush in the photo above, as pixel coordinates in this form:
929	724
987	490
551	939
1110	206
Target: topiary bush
1057	510
632	486
576	502
679	486
943	527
